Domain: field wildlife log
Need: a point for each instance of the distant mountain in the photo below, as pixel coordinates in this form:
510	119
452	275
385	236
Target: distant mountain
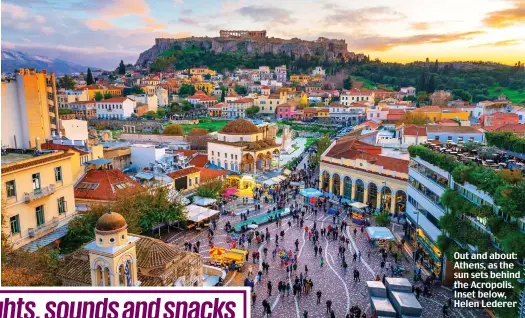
12	60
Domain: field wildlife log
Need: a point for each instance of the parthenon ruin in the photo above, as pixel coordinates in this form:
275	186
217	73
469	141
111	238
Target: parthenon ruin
243	34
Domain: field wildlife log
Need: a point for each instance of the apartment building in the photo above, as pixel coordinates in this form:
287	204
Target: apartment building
29	109
37	187
116	108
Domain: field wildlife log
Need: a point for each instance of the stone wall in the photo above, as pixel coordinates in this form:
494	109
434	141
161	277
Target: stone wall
150	138
140	125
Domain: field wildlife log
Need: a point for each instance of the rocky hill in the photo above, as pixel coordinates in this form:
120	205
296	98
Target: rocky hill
327	49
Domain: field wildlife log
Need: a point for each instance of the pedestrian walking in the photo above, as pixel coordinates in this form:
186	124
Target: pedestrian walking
328	306
319	294
269	285
322	261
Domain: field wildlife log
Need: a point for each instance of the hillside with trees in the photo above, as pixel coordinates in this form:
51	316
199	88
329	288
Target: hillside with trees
471	81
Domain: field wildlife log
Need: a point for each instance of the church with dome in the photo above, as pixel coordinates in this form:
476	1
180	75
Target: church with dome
243	147
116	258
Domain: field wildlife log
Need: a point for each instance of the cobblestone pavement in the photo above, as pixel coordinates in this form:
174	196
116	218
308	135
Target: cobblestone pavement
330	279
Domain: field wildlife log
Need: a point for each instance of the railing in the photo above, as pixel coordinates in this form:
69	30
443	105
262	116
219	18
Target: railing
32	232
37	194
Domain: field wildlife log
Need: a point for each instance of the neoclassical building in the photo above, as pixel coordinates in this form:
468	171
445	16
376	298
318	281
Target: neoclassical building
115	258
359	173
243	147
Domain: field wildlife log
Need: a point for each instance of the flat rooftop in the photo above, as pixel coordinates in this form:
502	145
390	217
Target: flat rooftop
13	157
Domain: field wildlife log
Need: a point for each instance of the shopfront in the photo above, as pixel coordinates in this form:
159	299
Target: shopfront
426	253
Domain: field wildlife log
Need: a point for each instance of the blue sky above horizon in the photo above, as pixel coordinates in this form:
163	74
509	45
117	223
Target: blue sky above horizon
102	32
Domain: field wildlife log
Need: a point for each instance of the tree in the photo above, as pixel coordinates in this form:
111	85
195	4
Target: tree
149	114
252	110
107	95
175	130
223	94
383	219
347	83
436	66
121	68
99	96
66	82
461	94
186	106
422	97
322	145
415	118
431	84
241	90
421	83
186	90
137	90
207	77
212	189
89	78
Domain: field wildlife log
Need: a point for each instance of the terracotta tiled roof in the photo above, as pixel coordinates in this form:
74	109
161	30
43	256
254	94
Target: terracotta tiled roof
53	146
350	148
106	185
242	101
515	128
240	126
413	130
210	174
428	109
153	256
183	172
200	160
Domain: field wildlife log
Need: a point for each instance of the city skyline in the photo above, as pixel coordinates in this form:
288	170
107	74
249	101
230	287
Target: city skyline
101	33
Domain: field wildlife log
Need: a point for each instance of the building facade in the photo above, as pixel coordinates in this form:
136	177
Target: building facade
358	172
115	108
29	109
39	196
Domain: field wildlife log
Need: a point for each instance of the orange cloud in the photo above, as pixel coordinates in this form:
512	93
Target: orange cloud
152	23
420	26
500	43
508	17
125	7
98	24
379	43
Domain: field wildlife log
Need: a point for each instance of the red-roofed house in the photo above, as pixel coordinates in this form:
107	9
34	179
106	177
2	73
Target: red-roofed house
200	98
496	120
115	108
102	186
358	172
518	129
237	108
211	174
199	160
288	110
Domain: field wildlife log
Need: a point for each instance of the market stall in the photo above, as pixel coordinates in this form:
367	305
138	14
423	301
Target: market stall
358	212
310	195
197	214
203	201
379	236
216	254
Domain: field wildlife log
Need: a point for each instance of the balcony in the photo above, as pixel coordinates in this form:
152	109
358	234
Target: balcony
37	194
44	228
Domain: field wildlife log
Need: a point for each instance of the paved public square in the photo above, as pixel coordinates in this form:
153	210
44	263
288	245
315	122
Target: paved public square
329	279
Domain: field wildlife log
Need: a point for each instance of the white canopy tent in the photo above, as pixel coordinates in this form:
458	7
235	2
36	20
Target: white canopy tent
203	201
358	205
198	213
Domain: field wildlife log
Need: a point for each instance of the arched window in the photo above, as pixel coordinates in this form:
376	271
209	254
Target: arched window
99	276
336	184
347	188
359	191
372	194
386	198
121	276
326	181
401	202
226	165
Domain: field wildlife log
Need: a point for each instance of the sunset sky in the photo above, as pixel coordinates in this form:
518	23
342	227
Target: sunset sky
102	32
